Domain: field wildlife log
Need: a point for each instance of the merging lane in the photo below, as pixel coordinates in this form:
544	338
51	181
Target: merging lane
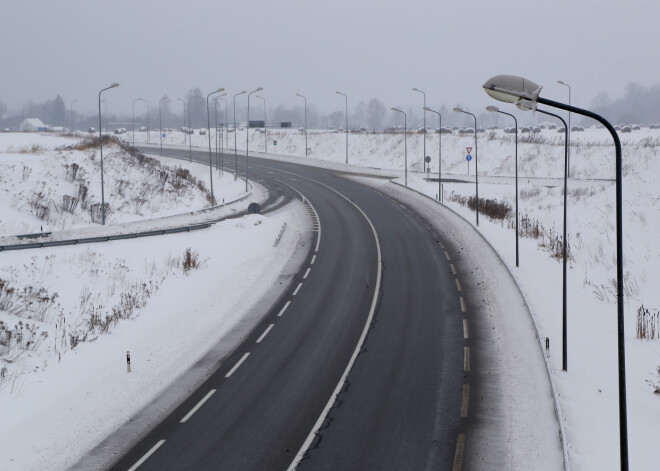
401	405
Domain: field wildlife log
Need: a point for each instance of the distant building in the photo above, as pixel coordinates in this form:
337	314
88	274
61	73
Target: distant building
33	125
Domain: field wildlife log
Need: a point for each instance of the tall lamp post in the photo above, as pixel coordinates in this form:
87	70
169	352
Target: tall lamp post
137	99
235	148
224	133
148	115
304	98
208	128
424	156
183	115
265	128
247	138
346	97
568	129
226	120
476	159
510	89
190	128
405	144
523	106
71	113
215	114
160	123
495	109
114	85
440	198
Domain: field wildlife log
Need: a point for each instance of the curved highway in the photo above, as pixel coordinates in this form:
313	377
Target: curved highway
375	299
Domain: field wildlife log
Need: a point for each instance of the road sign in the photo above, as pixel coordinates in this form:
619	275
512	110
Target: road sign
274	142
427	159
468	158
469	149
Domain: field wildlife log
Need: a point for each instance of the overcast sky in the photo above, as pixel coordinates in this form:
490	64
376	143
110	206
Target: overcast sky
365	48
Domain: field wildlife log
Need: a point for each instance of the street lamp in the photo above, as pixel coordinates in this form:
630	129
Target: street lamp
190	128
511	89
346	96
208	129
183	115
424	156
495	109
114	85
235	148
215	114
148	113
71	113
304	98
476	159
405	144
265	129
440	198
160	123
225	133
568	129
247	138
137	99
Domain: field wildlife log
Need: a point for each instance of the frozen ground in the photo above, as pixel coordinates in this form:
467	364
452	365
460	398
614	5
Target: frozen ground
588	391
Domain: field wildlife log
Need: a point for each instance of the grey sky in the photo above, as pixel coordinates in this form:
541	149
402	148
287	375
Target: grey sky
364	48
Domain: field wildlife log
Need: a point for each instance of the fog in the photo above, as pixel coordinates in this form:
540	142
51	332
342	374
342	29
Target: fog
366	49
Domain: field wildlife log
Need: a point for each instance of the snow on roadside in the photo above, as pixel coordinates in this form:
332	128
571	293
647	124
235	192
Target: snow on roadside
57	410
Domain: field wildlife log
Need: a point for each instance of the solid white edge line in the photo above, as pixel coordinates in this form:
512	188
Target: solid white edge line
196	408
297	289
146	456
238	363
284	309
340	384
306	273
265	333
466	332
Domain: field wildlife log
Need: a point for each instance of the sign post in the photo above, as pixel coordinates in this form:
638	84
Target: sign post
275	145
468	158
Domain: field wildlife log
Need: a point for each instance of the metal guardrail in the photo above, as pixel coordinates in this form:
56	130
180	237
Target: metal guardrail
90	240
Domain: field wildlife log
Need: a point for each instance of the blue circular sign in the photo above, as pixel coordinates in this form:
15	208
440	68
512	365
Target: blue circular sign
468	158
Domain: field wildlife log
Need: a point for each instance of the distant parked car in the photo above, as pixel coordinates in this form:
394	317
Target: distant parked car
525	129
626	129
117	131
562	129
202	132
143	128
552	126
466	131
577	128
446	131
91	130
536	130
510	130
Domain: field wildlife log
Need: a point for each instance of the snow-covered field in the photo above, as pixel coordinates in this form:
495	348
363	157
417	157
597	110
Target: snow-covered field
68	315
588	391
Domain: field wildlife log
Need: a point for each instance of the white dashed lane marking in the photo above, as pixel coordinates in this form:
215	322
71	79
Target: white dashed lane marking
307	273
146	456
466	400
458	285
284	309
447	255
196	408
262	336
463	308
297	289
466	332
239	363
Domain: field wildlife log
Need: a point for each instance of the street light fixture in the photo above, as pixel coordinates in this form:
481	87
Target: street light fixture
476	159
215	114
183	115
247	138
568	129
511	89
440	198
208	128
304	98
160	123
114	85
424	108
148	114
346	96
71	113
235	148
225	133
190	128
522	104
495	109
405	144
137	99
265	128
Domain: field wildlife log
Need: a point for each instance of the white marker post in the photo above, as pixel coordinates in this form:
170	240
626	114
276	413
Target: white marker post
128	361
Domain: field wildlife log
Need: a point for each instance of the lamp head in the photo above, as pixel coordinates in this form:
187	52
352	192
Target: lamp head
426	108
492	109
510	88
298	94
395	109
114	85
340	93
416	89
561	83
219	90
458	109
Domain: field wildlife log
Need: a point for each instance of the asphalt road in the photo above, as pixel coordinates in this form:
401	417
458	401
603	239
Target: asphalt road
376	272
